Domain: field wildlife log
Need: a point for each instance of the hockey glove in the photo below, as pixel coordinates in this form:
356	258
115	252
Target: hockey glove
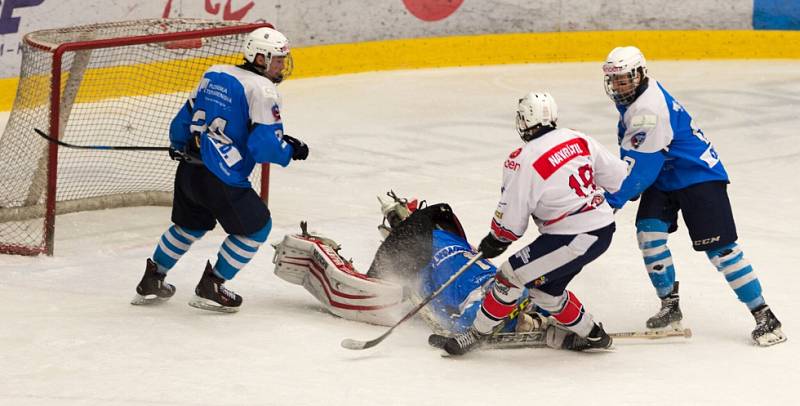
183	155
299	148
176	155
492	247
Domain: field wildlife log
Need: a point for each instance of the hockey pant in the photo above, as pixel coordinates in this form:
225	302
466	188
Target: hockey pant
545	267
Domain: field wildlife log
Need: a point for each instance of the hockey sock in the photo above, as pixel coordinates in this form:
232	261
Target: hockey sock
567	309
173	244
499	302
237	250
652	235
739	273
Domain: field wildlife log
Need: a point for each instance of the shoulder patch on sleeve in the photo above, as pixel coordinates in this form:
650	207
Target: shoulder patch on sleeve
637	139
270	92
644	121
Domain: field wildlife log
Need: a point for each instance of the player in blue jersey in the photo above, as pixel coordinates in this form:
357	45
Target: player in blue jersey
230	122
674	167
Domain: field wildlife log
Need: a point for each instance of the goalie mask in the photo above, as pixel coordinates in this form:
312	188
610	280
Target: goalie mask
537	114
394	212
275	48
625	72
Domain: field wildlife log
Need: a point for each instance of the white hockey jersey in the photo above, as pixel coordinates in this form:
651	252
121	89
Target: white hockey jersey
559	179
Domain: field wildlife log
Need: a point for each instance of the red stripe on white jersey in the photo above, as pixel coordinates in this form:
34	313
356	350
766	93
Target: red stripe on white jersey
585	208
559	155
503	233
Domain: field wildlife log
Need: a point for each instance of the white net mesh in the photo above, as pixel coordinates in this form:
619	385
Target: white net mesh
117	94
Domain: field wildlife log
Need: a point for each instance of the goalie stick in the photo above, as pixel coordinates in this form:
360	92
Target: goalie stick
536	338
352	344
99	147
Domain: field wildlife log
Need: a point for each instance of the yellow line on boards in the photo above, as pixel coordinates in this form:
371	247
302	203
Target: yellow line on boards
492	49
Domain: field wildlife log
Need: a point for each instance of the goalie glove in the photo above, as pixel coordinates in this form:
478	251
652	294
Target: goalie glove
299	148
492	247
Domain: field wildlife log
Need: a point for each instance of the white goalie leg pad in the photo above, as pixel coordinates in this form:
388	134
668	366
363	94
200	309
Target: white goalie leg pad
291	258
308	261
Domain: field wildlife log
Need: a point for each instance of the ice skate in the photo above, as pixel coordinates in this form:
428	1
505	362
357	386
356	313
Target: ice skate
670	315
464	342
152	288
597	339
768	328
212	295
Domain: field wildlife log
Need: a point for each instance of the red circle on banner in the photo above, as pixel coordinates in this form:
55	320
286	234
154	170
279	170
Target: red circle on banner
432	10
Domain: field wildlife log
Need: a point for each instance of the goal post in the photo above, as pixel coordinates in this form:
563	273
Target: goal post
117	83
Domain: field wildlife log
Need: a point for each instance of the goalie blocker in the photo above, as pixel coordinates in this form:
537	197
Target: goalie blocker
314	263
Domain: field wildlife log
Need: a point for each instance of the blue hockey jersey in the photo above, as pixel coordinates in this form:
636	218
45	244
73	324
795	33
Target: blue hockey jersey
457	306
662	147
237	113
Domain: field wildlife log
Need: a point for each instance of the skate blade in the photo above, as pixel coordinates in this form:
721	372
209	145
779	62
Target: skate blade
610	348
674	326
147	300
769	339
205	304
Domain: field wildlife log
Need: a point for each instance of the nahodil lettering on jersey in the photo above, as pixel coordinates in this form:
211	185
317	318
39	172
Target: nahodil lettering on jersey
559	155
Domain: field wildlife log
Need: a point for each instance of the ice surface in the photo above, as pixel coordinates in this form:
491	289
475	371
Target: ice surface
69	336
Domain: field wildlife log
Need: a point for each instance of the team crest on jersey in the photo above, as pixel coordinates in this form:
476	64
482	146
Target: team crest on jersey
276	112
638	139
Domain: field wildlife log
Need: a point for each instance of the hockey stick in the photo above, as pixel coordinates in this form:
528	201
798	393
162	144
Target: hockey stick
536	338
654	334
99	147
352	344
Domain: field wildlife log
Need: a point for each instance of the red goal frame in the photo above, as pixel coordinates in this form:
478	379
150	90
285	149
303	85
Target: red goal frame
177	39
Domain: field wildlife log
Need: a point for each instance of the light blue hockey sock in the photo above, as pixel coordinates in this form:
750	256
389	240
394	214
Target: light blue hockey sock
237	250
173	244
652	236
739	273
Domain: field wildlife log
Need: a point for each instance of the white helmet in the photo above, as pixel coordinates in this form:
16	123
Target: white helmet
535	110
625	69
268	42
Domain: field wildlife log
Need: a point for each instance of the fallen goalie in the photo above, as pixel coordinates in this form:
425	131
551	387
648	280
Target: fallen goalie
422	247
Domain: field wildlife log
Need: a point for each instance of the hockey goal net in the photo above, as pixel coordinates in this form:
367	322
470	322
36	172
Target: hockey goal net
104	84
